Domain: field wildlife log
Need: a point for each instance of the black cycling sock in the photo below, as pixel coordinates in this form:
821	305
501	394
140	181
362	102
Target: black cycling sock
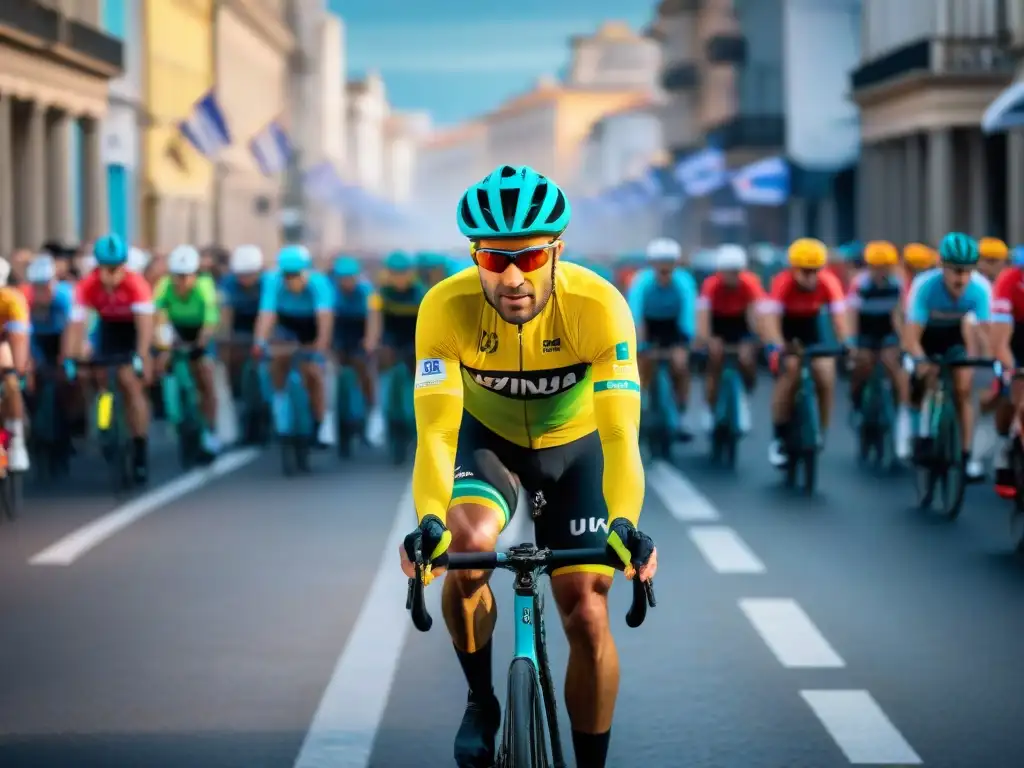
779	431
139	448
476	667
591	748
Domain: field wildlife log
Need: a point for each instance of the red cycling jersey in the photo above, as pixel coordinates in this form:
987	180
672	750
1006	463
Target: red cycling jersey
787	297
730	301
1008	296
132	296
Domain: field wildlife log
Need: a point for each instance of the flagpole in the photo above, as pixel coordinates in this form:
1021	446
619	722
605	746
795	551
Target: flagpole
293	213
218	168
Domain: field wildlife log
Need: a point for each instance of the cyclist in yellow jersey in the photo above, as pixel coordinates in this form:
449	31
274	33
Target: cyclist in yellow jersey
526	375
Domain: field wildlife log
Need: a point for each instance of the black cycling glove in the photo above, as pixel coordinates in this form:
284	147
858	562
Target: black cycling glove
431	538
631	546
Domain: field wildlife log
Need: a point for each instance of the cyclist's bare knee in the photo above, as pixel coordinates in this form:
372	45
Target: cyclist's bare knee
475	528
582	599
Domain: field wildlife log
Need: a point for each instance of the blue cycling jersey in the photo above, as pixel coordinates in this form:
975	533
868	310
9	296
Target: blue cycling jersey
316	296
649	300
243	300
354	304
871	297
929	303
54	318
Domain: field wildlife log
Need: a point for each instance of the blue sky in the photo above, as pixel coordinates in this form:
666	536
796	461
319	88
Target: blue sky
460	58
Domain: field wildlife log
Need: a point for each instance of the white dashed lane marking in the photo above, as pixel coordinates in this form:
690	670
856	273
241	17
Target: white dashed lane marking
860	728
724	550
790	633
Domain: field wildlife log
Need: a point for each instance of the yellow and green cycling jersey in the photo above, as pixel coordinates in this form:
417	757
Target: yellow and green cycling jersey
558	378
196	309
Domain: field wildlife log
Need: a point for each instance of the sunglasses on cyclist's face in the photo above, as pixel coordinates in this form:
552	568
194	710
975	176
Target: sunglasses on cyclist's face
526	259
957	270
292	275
806	273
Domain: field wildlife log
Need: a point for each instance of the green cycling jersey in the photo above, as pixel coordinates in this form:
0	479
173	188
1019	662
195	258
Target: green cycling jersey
197	308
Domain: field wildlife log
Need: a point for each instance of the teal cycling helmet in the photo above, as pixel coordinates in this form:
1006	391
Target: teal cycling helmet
513	201
294	258
1017	255
958	248
397	261
431	260
110	251
346	266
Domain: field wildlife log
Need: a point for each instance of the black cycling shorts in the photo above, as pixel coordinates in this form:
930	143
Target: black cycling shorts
876	332
664	334
295	328
803	328
115	338
399	331
349	333
244	323
943	340
731	329
489	471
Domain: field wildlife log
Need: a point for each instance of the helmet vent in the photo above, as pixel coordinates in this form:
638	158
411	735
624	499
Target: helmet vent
558	210
485	211
508	172
509	203
539	193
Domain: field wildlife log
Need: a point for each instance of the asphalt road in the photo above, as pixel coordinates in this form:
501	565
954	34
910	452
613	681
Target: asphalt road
237	618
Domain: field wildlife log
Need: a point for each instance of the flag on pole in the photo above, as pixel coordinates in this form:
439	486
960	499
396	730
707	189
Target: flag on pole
702	173
323	184
271	149
205	128
765	182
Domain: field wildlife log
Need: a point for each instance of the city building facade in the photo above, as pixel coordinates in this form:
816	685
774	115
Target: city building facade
447	162
928	71
55	68
367	115
178	71
253	43
614	57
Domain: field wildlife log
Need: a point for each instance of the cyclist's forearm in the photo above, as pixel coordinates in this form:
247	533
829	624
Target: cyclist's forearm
71	340
264	325
771	327
703	323
374	326
324	326
1001	334
144	333
438	418
19	350
912	339
839	325
852	322
618	424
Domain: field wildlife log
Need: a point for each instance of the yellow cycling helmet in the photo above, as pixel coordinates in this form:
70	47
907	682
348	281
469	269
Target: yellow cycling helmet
993	248
807	253
919	256
881	253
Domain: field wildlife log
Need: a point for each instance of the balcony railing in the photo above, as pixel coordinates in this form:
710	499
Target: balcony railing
750	131
680	77
941	57
38	26
727	48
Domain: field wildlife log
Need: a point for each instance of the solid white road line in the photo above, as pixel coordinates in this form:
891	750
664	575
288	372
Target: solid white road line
68	549
861	728
345	724
724	550
679	495
790	633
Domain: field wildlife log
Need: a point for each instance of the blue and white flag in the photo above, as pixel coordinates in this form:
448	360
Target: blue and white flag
323	184
703	172
271	149
765	182
205	128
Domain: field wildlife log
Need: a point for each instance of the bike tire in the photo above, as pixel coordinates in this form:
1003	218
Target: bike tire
547	683
342	410
13	493
523	731
954	481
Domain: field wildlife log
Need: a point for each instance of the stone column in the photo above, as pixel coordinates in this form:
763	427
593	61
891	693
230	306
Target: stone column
95	186
914	185
1015	185
895	189
879	193
58	176
827	220
6	177
940	176
863	192
977	170
32	190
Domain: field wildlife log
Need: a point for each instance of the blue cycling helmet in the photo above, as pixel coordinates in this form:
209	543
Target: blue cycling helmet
397	261
1017	255
430	260
513	201
110	251
959	249
294	258
346	266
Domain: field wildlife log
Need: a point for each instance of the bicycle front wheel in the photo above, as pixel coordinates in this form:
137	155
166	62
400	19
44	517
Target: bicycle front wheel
522	741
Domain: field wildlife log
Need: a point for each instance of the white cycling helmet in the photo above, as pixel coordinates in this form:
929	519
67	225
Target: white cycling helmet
41	269
86	264
664	249
184	260
138	260
5	271
731	257
247	260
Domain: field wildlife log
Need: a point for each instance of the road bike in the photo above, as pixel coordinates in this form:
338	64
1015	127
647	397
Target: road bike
49	435
803	437
181	405
349	407
255	392
530	702
399	412
295	430
877	417
11	489
940	462
726	431
659	422
110	420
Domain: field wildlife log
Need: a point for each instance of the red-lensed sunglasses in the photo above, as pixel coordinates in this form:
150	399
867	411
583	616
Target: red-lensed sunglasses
526	259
